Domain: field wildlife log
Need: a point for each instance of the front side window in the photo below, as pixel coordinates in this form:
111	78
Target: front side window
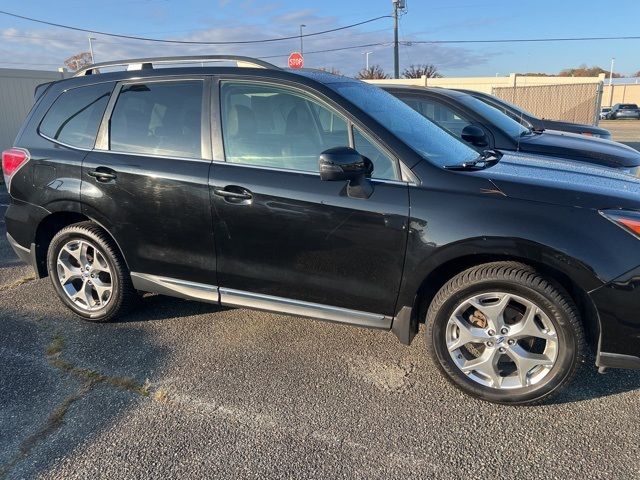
75	116
277	127
158	118
384	166
415	130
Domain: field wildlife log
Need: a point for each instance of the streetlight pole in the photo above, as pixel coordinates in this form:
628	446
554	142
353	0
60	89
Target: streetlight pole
613	60
301	47
366	54
91	49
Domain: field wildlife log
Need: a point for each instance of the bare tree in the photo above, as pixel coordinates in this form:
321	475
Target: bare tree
78	61
637	74
428	70
374	72
332	70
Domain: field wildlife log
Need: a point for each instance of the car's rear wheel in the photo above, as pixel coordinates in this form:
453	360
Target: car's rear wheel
504	333
89	274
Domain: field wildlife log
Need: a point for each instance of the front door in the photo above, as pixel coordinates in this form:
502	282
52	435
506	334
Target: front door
282	232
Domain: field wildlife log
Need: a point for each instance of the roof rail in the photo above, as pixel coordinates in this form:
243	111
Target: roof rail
148	63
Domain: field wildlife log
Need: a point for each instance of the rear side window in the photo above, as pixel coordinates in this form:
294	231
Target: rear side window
75	116
158	118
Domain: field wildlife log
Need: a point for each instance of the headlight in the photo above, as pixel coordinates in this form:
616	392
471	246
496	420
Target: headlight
629	221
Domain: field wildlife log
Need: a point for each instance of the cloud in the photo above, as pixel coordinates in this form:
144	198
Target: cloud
53	46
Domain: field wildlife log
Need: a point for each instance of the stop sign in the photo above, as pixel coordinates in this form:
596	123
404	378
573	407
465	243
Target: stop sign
296	60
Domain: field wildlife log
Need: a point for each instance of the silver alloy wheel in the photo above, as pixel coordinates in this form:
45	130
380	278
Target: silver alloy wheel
84	274
502	340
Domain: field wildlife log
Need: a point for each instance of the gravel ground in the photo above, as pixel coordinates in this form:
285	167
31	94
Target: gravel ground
182	389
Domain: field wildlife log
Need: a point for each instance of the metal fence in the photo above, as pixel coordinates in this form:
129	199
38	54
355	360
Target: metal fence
577	102
16	99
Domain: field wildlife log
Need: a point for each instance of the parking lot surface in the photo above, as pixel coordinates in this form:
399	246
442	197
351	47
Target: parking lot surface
187	390
625	131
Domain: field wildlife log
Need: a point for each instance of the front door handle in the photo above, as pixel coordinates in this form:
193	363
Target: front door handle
102	174
234	194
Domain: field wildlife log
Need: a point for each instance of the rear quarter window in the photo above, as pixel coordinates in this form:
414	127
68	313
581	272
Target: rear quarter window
74	117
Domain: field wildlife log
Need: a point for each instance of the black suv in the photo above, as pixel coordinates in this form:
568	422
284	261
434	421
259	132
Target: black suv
321	196
483	126
529	120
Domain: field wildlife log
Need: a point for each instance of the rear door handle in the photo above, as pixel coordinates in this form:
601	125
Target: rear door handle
238	193
102	174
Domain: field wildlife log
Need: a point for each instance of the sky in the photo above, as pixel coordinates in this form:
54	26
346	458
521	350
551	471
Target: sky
25	44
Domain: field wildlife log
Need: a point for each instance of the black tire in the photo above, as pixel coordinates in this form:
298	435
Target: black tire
122	297
523	281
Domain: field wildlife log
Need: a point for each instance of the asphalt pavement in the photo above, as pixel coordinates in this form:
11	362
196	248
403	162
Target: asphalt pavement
182	389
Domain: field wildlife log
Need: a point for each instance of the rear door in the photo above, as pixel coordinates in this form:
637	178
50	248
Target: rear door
146	180
281	231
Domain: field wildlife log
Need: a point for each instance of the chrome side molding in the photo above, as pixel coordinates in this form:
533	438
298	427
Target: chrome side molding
174	287
239	298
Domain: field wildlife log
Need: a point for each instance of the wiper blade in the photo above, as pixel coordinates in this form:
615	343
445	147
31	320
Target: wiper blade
488	158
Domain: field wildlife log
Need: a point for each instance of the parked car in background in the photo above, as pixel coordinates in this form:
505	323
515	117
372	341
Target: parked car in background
529	120
320	196
624	111
478	123
603	112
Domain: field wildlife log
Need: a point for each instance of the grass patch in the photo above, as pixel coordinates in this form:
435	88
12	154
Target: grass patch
161	395
17	283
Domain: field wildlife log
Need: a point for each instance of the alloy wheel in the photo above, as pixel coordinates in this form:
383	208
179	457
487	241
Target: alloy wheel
502	340
84	274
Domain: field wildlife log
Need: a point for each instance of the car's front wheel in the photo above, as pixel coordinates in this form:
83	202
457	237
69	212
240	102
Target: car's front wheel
88	273
504	333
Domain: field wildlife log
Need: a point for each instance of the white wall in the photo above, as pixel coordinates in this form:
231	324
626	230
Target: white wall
16	98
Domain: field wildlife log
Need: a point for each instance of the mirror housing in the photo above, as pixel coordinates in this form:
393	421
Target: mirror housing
342	163
475	136
345	163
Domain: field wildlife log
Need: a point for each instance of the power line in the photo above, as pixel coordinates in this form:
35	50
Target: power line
190	42
520	40
333	49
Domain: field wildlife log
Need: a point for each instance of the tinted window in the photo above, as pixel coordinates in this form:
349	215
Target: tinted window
441	114
416	131
75	116
384	167
628	106
159	118
277	127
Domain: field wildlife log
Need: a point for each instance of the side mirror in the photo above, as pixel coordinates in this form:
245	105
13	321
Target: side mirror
474	135
342	163
345	163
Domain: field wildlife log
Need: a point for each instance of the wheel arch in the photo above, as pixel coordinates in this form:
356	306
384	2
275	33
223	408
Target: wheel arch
575	278
52	224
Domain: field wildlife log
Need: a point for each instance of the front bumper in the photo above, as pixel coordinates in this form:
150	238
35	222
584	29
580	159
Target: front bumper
618	306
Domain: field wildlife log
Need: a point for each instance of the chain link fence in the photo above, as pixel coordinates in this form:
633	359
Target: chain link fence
577	102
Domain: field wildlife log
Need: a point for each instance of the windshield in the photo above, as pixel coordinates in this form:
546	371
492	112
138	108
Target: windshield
494	116
419	133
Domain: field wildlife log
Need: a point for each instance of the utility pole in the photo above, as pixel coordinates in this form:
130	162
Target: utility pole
301	48
366	54
396	52
398	5
91	48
